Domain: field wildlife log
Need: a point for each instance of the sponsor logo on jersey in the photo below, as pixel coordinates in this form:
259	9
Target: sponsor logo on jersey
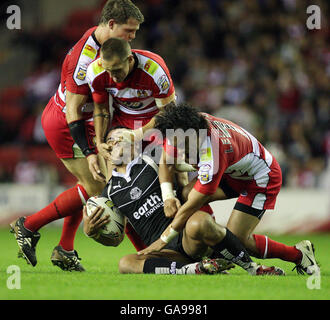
117	186
151	204
206	154
135	193
131	105
89	51
81	74
151	67
142	93
97	67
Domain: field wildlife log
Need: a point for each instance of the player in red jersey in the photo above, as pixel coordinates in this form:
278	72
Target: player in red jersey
231	163
140	85
68	126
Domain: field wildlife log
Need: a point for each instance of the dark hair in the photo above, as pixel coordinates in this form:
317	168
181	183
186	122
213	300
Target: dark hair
115	47
182	116
120	11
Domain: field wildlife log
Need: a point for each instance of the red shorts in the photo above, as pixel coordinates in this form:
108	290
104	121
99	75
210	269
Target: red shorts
251	197
58	133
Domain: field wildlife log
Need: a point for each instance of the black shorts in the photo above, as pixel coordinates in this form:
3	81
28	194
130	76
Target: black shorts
176	245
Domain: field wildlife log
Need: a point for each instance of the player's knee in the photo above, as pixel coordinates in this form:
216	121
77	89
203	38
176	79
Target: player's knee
124	265
130	264
196	225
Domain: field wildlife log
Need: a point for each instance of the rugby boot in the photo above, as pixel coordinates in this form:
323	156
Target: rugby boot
213	266
308	262
26	240
66	260
259	270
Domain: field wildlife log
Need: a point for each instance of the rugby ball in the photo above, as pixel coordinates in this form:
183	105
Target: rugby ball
115	228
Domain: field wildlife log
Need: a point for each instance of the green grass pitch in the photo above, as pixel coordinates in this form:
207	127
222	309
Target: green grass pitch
103	281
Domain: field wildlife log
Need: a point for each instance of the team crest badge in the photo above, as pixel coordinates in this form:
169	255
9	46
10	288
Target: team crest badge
135	193
81	75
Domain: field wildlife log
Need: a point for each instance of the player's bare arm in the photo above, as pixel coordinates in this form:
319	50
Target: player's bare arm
166	178
163	102
74	104
195	201
74	117
138	134
101	121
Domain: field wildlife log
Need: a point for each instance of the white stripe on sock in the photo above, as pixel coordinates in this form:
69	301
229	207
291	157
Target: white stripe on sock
83	200
266	248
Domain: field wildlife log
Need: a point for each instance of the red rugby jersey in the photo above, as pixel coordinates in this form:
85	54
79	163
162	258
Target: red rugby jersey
149	80
234	152
230	151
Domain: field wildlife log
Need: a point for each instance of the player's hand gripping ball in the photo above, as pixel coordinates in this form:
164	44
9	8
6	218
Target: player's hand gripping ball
115	228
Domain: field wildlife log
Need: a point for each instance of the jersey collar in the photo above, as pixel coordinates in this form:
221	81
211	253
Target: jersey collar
94	38
129	167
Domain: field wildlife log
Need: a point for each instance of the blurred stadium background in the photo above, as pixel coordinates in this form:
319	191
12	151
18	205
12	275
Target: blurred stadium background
251	61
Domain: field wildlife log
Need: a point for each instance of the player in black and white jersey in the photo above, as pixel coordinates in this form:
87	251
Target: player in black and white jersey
135	190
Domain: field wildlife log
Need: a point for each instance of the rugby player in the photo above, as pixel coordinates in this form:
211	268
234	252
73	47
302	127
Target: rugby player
139	83
134	189
68	126
231	163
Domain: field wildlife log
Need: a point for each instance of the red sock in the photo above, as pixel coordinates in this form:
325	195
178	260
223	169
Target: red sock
72	222
269	248
69	230
67	203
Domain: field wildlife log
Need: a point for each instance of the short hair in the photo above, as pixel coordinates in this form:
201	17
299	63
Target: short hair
113	129
182	116
120	11
115	47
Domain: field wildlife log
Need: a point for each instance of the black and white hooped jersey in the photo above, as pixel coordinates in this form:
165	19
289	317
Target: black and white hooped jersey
138	196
